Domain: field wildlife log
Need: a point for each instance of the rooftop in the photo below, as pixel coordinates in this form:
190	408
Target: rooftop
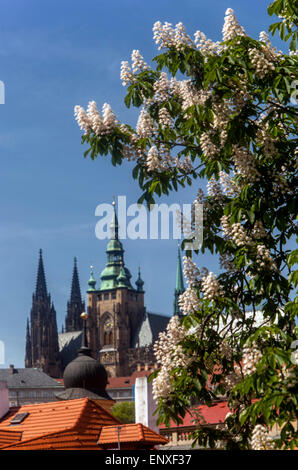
28	378
71	424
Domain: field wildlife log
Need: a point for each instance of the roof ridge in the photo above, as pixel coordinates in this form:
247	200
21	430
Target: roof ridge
102	408
141	428
84	406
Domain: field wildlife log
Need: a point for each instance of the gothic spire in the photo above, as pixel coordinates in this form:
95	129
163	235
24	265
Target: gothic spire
139	282
75	306
28	357
41	286
114	226
75	295
179	289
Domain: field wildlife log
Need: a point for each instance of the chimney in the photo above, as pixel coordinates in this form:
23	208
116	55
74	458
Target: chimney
11	369
4	401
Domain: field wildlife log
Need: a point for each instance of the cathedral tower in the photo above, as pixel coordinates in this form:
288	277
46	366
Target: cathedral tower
115	310
42	349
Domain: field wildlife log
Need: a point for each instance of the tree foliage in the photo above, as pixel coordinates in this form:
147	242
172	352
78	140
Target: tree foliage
124	411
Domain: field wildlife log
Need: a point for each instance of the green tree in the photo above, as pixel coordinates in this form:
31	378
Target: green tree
222	112
124	411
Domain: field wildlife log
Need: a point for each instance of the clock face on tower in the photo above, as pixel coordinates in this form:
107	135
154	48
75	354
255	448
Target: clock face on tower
108	324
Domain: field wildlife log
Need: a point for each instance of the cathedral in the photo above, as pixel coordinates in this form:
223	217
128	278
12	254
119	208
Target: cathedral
120	331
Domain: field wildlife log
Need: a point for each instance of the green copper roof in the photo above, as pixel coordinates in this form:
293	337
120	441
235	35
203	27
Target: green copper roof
115	274
91	282
179	289
179	275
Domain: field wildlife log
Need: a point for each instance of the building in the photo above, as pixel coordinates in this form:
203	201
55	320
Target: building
120	331
29	385
80	424
42	347
78	420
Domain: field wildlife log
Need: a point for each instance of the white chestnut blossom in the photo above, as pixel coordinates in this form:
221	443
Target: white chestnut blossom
262	64
189	94
162	88
230	188
231	26
210	150
214	189
245	163
206	46
211	288
182	39
82	119
251	356
260	439
169	354
126	74
138	63
109	118
153	162
166	36
92	120
191	271
189	301
146	126
258	230
95	118
264	259
164	118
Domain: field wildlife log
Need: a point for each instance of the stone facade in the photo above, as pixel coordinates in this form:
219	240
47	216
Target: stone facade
120	332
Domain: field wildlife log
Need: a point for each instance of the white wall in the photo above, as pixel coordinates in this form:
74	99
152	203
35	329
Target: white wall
144	403
4	402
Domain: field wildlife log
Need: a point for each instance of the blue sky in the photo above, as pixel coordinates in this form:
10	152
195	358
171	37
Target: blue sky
54	55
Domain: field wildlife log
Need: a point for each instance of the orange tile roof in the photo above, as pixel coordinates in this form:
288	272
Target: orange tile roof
69	424
126	382
8	437
129	433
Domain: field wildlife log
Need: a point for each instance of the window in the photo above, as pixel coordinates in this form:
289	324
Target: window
113	295
106	297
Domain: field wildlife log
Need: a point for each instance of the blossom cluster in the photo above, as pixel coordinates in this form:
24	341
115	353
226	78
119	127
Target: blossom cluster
170	355
191	271
92	121
127	74
235	232
263	258
251	356
146	126
189	301
206	46
231	27
167	36
211	288
230	188
245	163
